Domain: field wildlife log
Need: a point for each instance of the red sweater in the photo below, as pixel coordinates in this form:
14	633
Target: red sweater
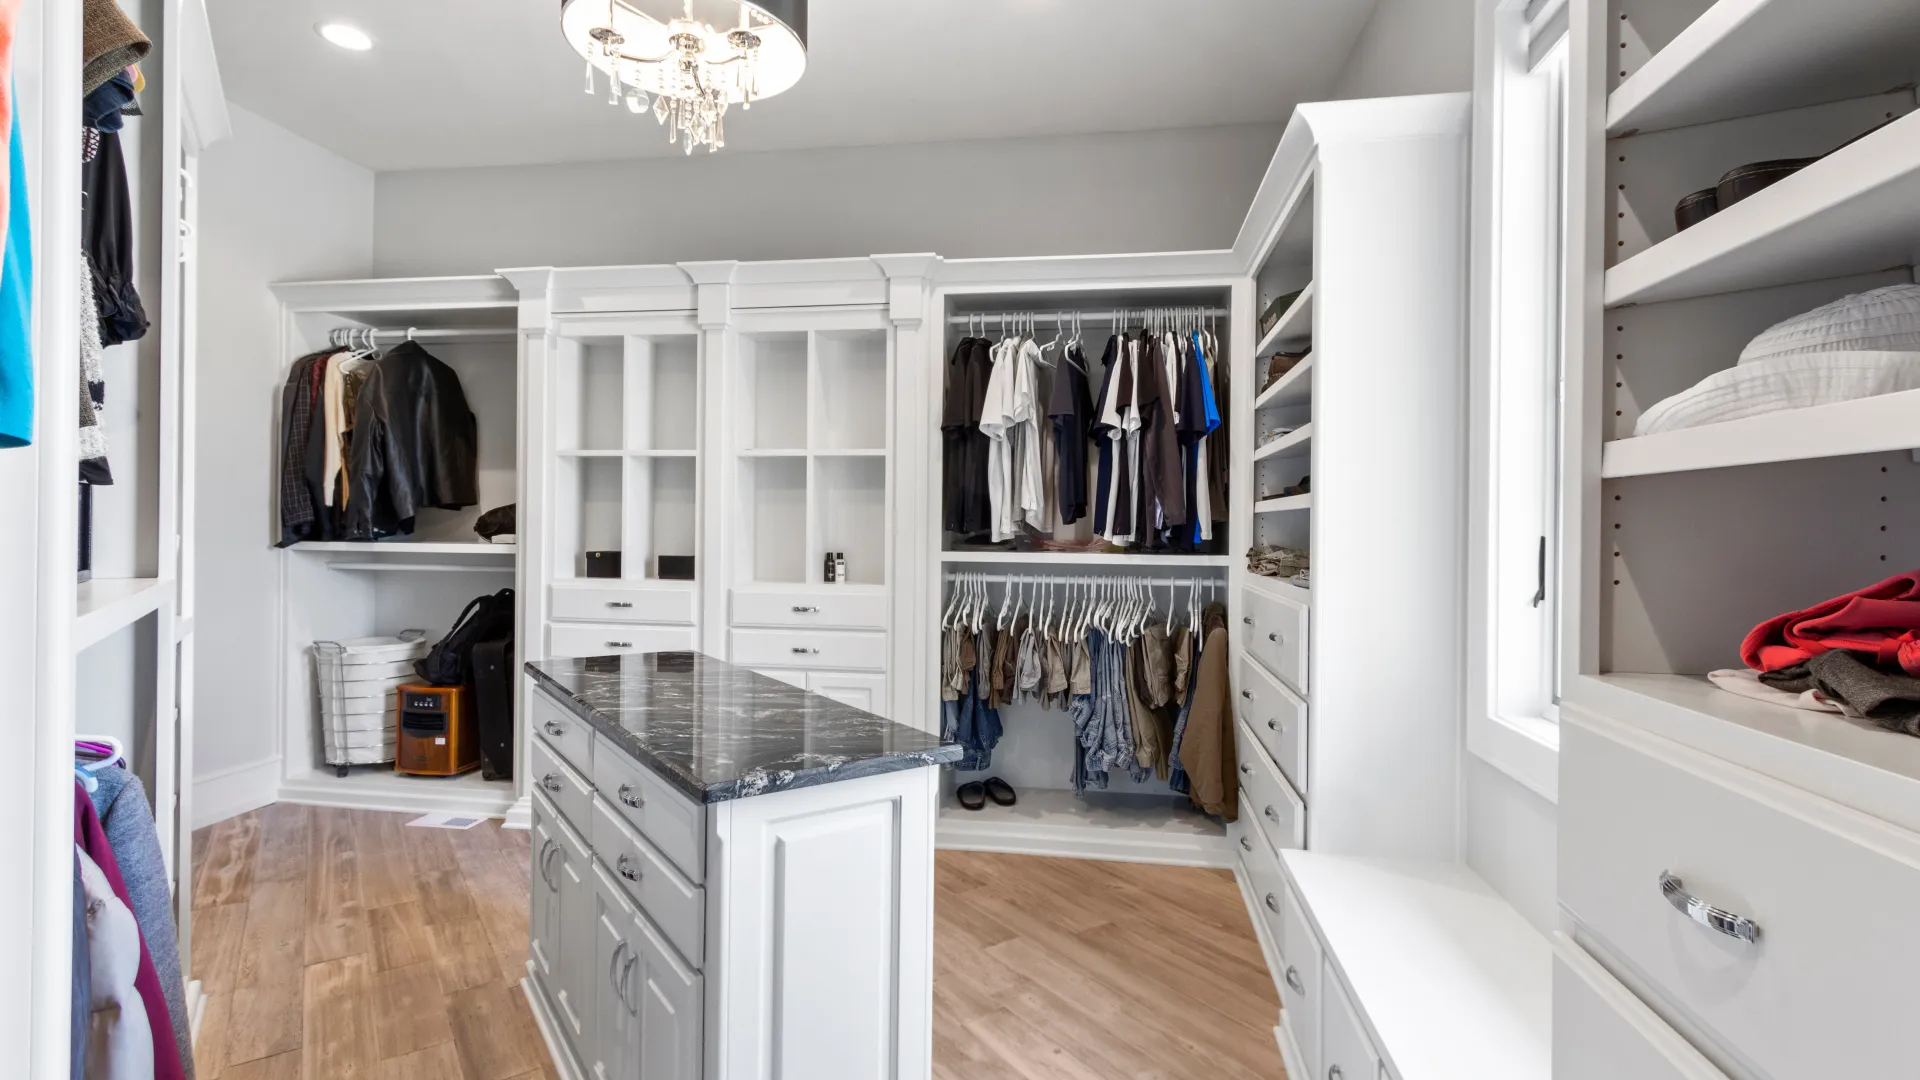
1881	620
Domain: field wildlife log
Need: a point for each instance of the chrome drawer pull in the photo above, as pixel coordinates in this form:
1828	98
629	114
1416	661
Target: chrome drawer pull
1273	725
546	856
619	603
804	651
1248	619
805	609
1246	770
613	967
627	796
1275	638
1245	844
551	782
1272	904
1293	981
1684	902
1248	694
1271	816
625	866
619	644
555	729
1334	1073
626	970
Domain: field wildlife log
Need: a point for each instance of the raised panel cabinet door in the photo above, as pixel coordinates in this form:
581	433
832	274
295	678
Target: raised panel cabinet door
867	693
616	1040
573	982
543	936
665	997
1345	1051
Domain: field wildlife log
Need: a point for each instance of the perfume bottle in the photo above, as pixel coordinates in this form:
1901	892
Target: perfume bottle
840	567
827	571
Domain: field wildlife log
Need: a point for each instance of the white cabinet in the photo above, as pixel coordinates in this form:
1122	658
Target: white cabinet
543	946
1601	1031
1345	1052
1300	981
571	875
867	693
649	1004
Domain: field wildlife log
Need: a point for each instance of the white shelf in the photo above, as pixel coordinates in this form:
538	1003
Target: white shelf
1081	558
1866	426
848	453
1293	388
1283	590
1437	960
1855	211
1295	442
1284	504
1746	57
106	605
780	453
1133	828
627	453
1853	762
636	584
590	453
1295	325
394	547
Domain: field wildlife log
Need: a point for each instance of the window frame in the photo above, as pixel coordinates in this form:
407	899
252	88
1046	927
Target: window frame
1515	658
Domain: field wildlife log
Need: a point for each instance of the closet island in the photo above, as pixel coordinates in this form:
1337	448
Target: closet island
733	876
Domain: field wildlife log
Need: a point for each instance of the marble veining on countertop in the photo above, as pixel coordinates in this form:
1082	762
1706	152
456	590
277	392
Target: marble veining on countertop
719	732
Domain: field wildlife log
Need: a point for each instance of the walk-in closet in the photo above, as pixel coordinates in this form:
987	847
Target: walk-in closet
721	539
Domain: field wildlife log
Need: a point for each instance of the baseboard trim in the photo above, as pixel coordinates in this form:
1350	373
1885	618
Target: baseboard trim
426	801
196	1010
1071	842
520	815
232	792
563	1062
1289	1050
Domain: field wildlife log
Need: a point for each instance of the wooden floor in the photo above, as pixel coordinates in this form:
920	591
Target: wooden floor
340	944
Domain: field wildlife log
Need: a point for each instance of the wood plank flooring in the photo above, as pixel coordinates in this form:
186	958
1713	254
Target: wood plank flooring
340	945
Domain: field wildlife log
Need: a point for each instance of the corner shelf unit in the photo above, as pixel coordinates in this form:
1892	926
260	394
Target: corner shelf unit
1677	540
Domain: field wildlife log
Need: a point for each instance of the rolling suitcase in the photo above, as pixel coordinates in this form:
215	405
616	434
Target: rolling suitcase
492	695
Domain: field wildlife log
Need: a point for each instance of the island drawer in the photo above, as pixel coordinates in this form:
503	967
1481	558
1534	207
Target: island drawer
676	905
572	795
828	607
670	821
567	734
840	651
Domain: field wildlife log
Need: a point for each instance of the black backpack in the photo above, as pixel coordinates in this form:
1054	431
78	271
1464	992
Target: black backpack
450	663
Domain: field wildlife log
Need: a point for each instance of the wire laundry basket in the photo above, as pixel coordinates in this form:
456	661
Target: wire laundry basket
356	680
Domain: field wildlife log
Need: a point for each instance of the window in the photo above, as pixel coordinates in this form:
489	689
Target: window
1521	133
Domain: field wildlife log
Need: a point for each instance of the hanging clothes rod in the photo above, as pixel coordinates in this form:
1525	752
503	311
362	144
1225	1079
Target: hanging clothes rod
1108	315
446	333
1194	577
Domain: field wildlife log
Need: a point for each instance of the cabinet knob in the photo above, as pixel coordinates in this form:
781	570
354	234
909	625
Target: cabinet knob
804	651
1248	694
805	609
625	866
1726	922
551	782
1245	844
619	644
554	729
1273	725
1246	770
1334	1073
1275	638
1248	619
628	796
1273	905
1293	981
1271	816
620	603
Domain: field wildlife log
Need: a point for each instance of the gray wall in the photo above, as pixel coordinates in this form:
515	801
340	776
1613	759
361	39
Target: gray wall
273	207
1088	194
1410	47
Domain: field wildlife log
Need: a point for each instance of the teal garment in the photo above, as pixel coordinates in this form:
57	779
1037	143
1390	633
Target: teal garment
16	302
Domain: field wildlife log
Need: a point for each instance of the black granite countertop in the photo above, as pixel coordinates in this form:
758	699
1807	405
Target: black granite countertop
720	732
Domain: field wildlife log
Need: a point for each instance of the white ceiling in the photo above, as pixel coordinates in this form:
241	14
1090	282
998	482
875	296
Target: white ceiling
491	82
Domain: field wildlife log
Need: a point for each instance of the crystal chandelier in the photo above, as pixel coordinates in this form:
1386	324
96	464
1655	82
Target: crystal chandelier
684	68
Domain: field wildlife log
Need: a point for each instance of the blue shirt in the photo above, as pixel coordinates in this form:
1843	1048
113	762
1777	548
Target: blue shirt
16	301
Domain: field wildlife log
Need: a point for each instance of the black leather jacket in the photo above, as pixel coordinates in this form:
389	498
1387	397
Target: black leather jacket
414	444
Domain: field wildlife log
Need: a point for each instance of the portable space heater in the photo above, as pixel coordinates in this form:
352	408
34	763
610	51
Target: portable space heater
437	735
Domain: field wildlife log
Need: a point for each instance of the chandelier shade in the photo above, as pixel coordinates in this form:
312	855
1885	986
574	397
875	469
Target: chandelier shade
691	60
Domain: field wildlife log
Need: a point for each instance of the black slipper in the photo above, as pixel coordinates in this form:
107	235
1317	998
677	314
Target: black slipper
972	796
1000	791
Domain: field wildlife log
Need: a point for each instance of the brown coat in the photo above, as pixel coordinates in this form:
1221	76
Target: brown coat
1206	747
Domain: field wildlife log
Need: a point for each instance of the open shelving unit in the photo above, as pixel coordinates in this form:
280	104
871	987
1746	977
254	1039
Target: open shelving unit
1681	544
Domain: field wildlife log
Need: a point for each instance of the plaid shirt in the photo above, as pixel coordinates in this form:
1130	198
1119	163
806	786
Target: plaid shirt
296	500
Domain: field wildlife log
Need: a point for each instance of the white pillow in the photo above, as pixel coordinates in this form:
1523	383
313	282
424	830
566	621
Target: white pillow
1880	320
1788	382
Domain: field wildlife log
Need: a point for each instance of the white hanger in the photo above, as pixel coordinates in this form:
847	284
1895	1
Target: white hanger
119	752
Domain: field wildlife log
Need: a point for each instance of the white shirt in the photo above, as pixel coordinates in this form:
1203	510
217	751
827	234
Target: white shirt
996	422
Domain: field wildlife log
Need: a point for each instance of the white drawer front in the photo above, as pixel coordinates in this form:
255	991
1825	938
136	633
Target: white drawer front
583	639
800	649
1345	1050
1277	717
572	795
865	692
668	819
1827	990
828	607
786	675
1277	811
676	905
1263	875
1276	636
564	732
1300	981
614	604
1602	1032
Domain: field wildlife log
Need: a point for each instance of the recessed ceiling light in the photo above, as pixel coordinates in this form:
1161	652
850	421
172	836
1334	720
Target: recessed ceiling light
345	36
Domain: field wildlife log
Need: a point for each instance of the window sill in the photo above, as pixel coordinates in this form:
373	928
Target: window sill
1526	748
